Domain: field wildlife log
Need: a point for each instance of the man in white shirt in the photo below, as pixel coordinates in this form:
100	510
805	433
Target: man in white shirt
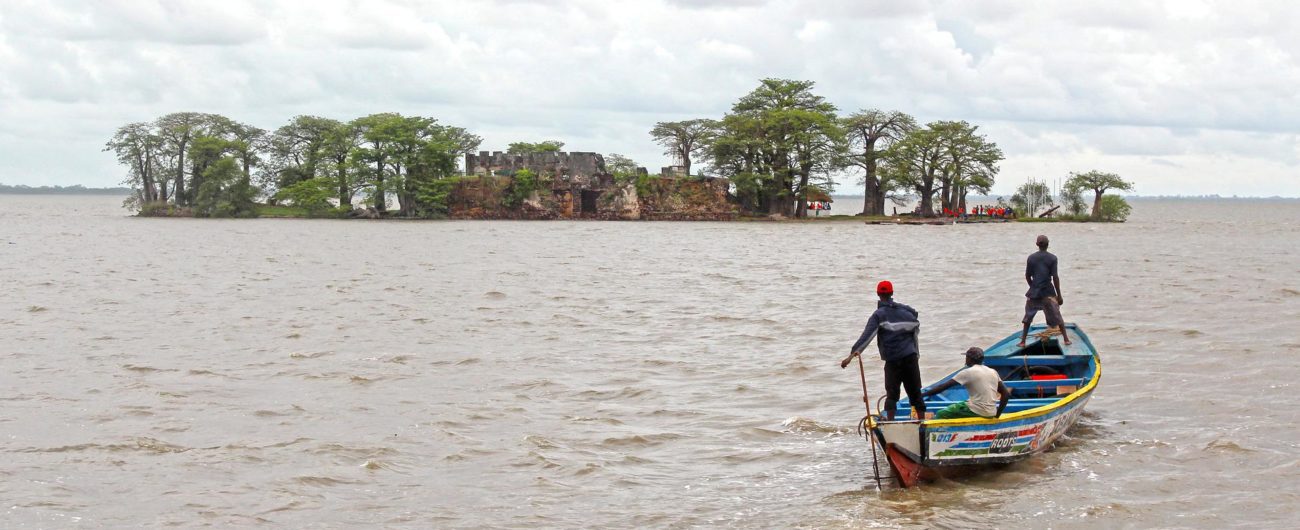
988	396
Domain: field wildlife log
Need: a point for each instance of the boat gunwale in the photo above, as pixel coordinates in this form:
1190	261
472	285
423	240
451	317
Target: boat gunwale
1036	411
1024	414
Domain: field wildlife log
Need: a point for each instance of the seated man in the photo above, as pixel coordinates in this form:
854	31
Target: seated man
981	383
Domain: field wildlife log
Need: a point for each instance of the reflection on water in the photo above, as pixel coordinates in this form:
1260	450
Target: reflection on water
589	374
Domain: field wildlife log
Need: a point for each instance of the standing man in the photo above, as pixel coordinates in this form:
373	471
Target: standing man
988	395
898	328
1044	292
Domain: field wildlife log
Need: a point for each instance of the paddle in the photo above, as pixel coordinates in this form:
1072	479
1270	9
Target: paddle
866	400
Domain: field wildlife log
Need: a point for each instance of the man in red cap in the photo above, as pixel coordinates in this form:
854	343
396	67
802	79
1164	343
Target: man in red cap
898	328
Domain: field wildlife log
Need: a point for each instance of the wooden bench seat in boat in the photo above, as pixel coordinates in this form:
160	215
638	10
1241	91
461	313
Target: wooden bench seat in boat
1044	383
1034	360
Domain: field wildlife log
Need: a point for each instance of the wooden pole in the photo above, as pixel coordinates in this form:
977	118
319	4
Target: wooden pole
871	435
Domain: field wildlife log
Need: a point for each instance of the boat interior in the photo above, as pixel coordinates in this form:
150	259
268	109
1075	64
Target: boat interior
1039	374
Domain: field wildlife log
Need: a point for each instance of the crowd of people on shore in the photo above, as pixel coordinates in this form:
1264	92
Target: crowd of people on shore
991	212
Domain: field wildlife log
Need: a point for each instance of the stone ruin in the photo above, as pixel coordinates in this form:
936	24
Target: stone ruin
577	185
583	166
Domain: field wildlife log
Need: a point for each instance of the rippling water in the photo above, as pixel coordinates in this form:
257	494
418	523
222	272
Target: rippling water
601	374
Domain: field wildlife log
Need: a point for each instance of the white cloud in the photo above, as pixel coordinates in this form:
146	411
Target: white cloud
186	22
1171	93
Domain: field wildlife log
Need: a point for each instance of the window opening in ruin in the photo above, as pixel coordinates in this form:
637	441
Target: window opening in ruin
589	201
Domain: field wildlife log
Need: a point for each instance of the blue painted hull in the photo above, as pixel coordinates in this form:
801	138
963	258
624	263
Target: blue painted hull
918	449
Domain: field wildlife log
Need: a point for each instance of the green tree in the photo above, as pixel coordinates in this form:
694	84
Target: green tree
819	146
298	150
870	133
683	140
340	142
948	158
434	196
246	143
623	169
522	185
312	194
411	135
970	162
1098	182
224	192
738	153
380	134
917	160
777	141
524	148
437	150
1114	208
1072	201
175	131
203	153
137	146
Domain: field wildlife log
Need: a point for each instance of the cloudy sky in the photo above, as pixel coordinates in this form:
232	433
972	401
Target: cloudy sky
1181	96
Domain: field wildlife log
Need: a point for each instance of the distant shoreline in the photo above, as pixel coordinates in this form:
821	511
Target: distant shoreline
60	190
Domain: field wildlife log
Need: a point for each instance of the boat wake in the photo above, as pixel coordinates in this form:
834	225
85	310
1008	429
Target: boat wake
797	424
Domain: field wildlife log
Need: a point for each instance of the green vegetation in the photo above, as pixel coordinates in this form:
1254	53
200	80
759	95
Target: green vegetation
524	148
311	195
623	169
782	141
1111	207
522	186
683	140
190	163
223	192
777	141
1114	208
433	196
1072	201
1099	183
945	158
778	148
870	133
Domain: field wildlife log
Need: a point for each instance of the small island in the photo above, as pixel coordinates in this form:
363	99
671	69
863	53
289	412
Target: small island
777	152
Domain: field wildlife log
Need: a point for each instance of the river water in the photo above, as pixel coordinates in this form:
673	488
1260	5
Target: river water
319	373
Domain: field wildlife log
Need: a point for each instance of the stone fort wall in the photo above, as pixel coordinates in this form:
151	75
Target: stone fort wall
575	164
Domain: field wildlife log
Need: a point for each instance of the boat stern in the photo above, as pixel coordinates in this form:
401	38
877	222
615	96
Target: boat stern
902	442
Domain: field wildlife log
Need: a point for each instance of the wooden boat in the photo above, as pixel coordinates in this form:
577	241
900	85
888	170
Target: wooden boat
1050	385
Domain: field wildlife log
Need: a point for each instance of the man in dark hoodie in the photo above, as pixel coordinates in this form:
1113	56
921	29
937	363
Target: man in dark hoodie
898	328
1044	292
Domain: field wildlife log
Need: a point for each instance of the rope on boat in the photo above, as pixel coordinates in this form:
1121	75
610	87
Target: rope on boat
865	431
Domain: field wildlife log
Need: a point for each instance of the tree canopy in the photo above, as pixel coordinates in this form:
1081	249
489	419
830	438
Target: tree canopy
777	142
870	133
782	140
524	148
684	140
207	163
1098	182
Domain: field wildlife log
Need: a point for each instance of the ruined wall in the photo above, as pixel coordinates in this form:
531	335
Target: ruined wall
483	197
686	199
575	165
577	186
